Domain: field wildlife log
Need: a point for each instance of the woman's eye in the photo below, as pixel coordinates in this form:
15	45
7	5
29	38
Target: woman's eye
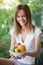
23	16
20	16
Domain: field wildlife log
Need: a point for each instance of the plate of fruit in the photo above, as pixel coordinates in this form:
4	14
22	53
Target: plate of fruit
18	50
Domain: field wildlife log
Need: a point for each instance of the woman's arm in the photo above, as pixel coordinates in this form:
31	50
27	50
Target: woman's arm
13	41
37	47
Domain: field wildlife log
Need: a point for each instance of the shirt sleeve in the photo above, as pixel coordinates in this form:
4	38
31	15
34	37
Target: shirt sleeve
37	32
12	31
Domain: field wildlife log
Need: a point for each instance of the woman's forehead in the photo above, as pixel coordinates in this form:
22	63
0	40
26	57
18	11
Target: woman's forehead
21	12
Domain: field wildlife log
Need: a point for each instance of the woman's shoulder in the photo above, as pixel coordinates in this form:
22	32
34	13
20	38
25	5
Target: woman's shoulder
12	30
37	31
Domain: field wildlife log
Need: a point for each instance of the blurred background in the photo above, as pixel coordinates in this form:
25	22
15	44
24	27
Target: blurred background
7	9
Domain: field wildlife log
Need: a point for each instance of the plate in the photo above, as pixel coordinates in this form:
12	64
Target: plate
19	54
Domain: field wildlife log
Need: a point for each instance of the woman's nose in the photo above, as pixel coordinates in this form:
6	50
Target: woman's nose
20	18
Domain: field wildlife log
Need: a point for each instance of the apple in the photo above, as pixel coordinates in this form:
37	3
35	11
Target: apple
16	45
17	50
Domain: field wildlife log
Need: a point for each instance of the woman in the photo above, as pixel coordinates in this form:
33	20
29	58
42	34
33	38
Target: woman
24	32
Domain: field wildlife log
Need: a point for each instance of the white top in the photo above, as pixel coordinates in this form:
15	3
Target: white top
29	43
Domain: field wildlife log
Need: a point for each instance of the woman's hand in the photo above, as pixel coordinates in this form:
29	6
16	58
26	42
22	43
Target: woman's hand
15	57
24	55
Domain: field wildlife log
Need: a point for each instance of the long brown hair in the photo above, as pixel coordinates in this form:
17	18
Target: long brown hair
26	9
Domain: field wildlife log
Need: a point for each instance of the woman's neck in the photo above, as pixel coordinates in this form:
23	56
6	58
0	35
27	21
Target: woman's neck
24	28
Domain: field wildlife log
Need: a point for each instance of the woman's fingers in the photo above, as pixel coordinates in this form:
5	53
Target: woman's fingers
24	55
12	56
16	57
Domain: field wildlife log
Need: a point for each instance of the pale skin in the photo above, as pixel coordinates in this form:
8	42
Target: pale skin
21	18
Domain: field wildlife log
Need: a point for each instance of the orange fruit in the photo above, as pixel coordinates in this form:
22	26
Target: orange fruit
21	48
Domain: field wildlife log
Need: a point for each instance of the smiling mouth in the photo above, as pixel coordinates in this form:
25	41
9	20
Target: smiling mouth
23	21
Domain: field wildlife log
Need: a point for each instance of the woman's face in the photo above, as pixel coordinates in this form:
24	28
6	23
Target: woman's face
21	18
